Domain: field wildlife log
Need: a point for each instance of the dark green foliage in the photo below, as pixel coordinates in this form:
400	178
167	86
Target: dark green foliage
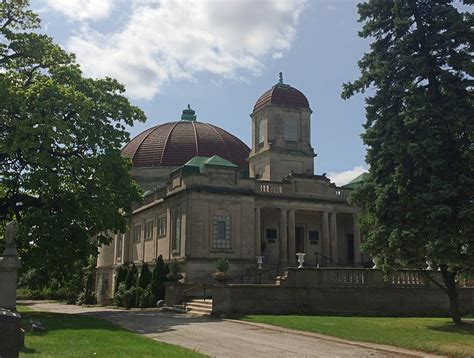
222	264
119	295
62	174
121	276
131	278
146	299
418	200
159	277
145	276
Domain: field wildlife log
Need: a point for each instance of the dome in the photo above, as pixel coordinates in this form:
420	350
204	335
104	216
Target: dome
175	143
282	94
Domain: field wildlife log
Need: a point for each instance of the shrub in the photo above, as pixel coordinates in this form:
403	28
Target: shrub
131	278
222	265
119	295
158	279
145	276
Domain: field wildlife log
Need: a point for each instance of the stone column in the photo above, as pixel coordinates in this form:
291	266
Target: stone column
258	233
283	238
325	244
126	243
357	253
116	246
334	256
291	236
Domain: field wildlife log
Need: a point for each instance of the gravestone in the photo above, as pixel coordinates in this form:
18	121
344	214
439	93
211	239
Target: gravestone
11	334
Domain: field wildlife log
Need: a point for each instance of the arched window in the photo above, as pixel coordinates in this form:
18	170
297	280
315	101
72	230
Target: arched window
221	237
260	131
290	130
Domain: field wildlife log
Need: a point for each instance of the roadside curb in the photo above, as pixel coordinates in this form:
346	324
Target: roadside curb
376	346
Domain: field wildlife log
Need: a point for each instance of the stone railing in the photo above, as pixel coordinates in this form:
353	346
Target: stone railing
357	277
278	188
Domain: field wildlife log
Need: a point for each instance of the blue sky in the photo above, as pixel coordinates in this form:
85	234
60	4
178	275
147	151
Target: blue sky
220	57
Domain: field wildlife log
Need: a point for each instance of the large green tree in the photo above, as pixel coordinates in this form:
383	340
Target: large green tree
61	172
418	203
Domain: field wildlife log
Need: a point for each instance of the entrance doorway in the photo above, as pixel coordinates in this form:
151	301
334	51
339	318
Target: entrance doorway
299	239
350	249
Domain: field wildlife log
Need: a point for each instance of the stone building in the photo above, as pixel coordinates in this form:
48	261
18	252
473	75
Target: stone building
207	195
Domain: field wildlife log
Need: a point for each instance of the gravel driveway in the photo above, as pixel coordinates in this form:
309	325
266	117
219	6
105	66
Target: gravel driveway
229	338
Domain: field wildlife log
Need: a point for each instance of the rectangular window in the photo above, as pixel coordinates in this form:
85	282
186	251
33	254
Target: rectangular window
313	237
149	230
162	226
176	232
221	233
260	131
271	235
137	233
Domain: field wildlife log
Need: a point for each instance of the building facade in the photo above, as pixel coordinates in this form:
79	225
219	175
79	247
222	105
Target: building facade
207	195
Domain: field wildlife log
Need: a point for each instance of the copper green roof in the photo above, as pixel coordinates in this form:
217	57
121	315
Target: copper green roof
356	181
198	164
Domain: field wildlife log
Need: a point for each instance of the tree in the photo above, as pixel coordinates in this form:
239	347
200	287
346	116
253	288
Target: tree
159	277
121	276
145	276
132	277
418	202
61	171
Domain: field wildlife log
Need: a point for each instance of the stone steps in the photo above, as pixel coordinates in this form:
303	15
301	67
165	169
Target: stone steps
200	307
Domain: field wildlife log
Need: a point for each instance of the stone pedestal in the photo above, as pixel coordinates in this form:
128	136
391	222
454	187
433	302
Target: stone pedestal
12	337
9	265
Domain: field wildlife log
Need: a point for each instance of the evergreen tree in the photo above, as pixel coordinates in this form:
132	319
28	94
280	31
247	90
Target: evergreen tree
158	280
121	276
131	278
145	276
418	202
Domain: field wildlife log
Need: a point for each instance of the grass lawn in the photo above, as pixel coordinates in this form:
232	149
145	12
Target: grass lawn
81	336
436	335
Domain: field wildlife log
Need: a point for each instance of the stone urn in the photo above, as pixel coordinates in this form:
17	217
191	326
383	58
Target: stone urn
221	277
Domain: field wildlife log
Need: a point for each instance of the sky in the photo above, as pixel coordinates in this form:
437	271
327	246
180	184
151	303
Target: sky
219	57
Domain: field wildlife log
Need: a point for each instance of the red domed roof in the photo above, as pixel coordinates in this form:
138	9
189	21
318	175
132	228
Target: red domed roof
175	143
282	94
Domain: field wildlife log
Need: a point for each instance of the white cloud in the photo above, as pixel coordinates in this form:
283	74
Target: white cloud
81	10
176	39
345	177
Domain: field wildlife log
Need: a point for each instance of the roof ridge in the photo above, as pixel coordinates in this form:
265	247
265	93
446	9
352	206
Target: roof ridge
151	130
166	140
222	140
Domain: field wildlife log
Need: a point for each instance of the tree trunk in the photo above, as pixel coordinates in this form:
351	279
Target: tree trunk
452	292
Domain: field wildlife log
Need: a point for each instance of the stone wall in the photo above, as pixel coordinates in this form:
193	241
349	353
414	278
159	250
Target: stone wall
343	291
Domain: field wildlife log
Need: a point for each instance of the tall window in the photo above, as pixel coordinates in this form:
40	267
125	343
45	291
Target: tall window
149	230
290	134
260	131
162	225
290	130
176	230
221	238
137	233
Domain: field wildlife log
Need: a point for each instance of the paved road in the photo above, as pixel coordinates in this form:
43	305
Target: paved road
226	338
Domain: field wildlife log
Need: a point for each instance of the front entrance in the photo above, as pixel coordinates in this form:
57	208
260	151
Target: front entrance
299	239
350	249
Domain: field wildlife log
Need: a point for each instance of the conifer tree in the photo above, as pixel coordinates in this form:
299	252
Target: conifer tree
418	202
145	276
159	278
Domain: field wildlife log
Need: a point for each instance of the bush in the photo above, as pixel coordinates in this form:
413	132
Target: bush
145	277
119	295
222	265
158	279
131	279
86	298
147	298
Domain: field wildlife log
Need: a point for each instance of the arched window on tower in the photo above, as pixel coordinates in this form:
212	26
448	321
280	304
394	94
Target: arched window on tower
290	133
221	234
260	132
